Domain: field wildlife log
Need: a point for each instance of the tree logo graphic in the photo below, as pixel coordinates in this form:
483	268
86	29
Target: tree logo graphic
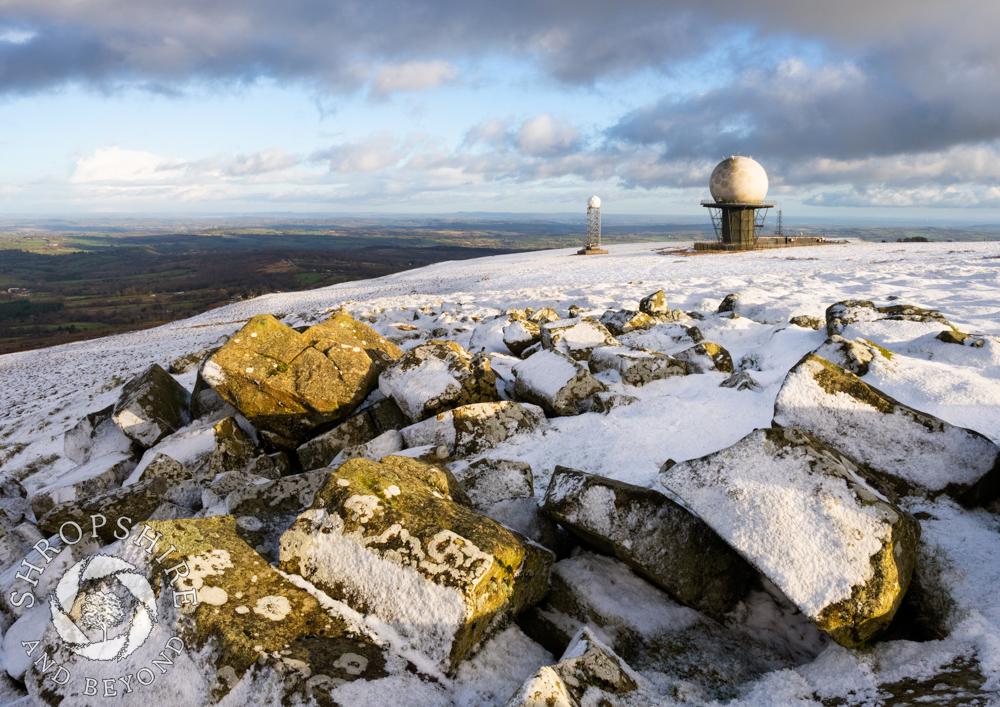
115	595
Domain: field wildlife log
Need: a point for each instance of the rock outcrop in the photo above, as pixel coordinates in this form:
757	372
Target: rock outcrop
556	382
521	334
803	514
473	429
438	376
655	305
388	539
842	314
589	673
368	423
705	357
490	481
625	320
637	366
916	451
83	483
653	535
576	337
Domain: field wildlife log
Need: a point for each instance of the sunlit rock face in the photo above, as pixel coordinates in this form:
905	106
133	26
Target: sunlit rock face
739	180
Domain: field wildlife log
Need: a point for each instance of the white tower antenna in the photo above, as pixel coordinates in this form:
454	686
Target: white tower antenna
593	227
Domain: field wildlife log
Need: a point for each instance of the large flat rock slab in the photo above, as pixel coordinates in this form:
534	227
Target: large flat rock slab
804	516
916	451
658	538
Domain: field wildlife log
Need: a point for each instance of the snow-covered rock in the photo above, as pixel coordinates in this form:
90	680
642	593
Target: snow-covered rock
589	672
86	481
637	366
557	383
741	381
705	357
652	534
95	435
807	322
855	356
576	337
389	442
151	406
917	451
472	429
520	334
490	481
729	303
387	538
205	450
438	376
842	314
803	514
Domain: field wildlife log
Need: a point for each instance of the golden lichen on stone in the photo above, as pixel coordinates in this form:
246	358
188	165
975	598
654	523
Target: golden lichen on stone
289	384
833	380
246	607
872	605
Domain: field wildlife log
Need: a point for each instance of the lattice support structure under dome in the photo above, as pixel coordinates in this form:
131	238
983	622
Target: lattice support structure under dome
593	228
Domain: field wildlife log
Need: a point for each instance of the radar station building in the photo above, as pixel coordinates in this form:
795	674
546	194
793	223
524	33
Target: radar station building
738	186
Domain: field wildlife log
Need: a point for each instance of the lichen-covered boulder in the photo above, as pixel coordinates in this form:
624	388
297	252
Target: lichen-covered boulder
84	482
290	384
952	336
589	672
637	366
520	334
916	451
623	321
151	406
473	429
706	356
855	356
653	535
655	304
807	322
576	337
387	538
803	514
556	382
182	483
438	376
249	622
95	435
189	362
376	418
490	481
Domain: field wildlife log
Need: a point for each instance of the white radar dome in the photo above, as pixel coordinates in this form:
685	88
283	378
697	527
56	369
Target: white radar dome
594	202
738	180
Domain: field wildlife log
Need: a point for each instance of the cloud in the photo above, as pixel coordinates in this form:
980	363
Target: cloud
411	76
543	137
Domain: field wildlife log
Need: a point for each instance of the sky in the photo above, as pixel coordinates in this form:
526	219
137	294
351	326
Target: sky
886	109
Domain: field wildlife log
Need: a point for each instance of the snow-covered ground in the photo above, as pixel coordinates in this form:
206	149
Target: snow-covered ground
44	393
